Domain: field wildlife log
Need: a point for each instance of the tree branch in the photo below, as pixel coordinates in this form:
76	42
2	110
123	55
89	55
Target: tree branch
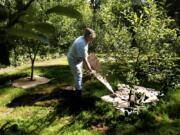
28	4
30	53
17	14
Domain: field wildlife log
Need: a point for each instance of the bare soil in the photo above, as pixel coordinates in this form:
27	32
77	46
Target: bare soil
27	83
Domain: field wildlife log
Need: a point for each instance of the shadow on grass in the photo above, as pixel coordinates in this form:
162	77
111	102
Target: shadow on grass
66	98
60	73
67	104
6	78
11	129
63	100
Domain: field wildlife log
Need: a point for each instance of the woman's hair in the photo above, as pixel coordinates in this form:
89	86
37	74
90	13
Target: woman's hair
89	32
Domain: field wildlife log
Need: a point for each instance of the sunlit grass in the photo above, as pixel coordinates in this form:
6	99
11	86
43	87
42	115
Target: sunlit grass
7	94
12	70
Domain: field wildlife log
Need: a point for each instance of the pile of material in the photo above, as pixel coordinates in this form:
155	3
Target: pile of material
125	99
130	100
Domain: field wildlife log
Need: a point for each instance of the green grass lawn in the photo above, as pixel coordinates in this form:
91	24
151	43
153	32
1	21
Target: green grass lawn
49	110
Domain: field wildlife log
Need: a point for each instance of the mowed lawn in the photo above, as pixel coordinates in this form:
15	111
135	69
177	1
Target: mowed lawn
51	109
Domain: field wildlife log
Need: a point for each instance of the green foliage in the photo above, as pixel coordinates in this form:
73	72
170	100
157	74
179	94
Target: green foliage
45	28
68	11
4	13
139	39
29	20
28	34
68	29
173	9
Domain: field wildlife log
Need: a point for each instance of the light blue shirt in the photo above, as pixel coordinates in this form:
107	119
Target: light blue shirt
78	51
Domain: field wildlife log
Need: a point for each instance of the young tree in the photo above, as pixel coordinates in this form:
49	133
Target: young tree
13	18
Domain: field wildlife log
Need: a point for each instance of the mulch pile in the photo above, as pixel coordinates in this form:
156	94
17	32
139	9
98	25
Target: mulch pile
130	103
27	83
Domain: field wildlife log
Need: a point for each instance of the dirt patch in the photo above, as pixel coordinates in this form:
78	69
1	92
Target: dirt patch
27	83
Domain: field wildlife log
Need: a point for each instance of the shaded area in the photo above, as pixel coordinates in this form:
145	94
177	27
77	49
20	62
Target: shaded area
11	129
90	113
67	99
5	78
68	104
60	73
31	99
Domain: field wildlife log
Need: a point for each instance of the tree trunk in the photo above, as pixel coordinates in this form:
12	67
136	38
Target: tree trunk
94	19
4	54
32	69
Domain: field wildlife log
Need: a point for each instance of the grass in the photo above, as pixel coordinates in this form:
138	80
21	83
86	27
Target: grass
49	110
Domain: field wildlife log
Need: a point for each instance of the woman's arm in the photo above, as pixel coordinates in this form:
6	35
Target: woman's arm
85	60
